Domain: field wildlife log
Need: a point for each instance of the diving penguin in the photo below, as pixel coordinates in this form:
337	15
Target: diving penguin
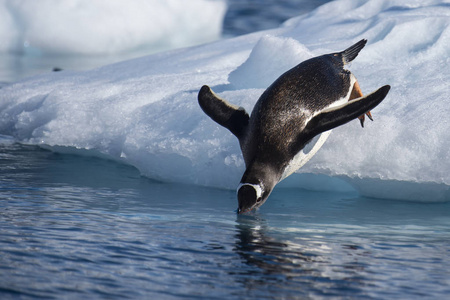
313	97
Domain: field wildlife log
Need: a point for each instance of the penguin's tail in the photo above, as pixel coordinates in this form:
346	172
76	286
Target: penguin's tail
351	52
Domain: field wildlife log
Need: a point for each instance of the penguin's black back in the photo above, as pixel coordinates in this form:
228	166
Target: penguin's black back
312	84
285	107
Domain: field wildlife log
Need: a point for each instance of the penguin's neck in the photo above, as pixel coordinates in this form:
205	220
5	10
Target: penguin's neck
261	174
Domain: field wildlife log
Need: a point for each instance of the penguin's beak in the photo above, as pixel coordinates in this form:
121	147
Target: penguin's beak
242	211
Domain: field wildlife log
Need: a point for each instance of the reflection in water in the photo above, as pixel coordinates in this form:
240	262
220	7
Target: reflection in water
300	262
269	254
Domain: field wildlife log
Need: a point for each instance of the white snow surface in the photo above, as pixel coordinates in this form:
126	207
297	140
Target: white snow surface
144	111
97	27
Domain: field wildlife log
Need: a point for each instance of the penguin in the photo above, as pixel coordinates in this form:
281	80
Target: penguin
308	100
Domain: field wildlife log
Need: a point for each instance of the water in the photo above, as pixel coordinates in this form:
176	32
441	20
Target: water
246	16
76	227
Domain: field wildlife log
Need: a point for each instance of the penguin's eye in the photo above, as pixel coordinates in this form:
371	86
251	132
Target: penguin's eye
258	200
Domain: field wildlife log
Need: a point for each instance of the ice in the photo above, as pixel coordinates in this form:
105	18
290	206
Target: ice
144	112
97	27
265	63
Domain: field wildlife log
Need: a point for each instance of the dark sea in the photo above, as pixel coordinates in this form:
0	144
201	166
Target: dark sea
81	227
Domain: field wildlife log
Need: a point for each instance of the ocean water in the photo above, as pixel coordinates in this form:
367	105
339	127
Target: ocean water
79	226
247	16
76	227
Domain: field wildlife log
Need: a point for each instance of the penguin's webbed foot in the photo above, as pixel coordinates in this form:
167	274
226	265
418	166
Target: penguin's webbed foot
362	118
357	93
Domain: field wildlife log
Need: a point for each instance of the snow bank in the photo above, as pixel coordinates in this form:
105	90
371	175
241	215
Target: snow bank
102	27
145	112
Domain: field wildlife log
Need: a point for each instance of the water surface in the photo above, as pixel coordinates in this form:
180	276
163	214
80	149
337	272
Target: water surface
78	226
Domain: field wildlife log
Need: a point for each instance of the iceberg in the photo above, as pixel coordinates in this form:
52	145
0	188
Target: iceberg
144	112
97	27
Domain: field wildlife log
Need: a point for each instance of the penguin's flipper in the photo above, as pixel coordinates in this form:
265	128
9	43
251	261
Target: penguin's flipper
336	116
230	116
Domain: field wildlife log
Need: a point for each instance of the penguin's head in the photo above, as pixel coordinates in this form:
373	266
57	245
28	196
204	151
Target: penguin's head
251	196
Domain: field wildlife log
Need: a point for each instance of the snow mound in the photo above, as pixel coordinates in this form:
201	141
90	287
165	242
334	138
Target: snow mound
145	112
265	63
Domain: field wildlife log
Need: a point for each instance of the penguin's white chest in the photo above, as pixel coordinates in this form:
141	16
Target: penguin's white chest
305	154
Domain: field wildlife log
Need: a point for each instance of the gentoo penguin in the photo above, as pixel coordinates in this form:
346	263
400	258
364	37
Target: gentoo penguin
309	99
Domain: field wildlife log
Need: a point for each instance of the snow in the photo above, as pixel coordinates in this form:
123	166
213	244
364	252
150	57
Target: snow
144	112
98	27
